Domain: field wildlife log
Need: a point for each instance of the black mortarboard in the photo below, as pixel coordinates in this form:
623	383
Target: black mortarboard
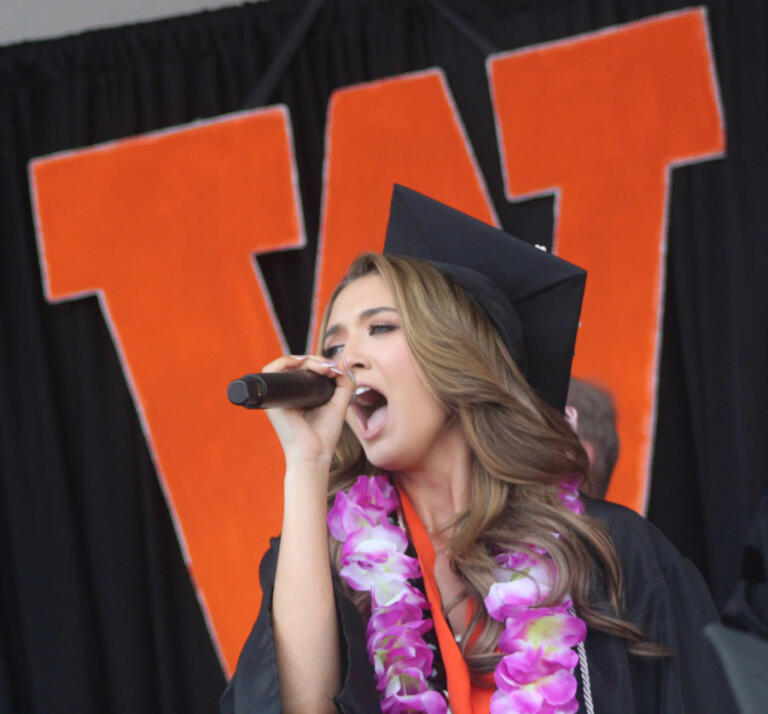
532	297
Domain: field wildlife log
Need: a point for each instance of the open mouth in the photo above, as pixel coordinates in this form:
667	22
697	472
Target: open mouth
370	406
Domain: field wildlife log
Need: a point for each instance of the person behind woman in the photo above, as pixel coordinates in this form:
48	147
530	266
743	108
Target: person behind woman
463	575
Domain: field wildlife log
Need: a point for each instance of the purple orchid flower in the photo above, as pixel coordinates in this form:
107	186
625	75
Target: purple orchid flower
546	627
374	556
521	591
404	657
569	495
431	702
552	694
367	503
407	691
400	613
530	664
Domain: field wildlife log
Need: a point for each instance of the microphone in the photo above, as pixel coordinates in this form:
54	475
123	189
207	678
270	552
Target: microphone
301	389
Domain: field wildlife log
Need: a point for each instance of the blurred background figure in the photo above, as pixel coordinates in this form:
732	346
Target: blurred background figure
595	425
747	608
744	653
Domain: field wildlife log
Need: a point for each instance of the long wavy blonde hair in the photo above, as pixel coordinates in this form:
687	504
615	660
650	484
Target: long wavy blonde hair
521	449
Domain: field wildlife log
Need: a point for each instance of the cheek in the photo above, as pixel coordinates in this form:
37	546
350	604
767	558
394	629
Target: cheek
421	408
397	359
430	418
423	414
406	377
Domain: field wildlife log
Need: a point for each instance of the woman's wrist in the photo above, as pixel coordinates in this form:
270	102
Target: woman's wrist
308	472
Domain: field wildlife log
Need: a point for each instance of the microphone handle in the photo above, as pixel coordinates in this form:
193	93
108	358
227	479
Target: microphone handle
301	389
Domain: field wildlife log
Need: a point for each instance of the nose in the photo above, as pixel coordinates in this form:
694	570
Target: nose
353	355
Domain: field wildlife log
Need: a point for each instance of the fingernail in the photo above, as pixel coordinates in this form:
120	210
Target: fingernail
336	370
298	356
348	370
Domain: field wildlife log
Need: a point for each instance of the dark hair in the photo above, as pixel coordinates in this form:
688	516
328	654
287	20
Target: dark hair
596	411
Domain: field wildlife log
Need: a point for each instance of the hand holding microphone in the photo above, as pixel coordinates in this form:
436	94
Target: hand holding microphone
306	399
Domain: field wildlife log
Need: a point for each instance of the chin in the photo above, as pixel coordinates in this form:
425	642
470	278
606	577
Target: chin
388	460
382	461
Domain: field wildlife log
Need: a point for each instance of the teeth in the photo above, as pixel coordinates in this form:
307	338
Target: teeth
362	390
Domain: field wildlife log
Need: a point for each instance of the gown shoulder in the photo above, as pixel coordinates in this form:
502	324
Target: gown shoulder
666	597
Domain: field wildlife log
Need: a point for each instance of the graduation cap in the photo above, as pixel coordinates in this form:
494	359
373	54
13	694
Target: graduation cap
533	298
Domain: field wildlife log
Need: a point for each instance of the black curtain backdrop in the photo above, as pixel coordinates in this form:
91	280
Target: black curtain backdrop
97	613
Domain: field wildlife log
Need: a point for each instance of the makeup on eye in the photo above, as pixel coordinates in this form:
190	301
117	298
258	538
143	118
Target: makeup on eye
377	327
331	352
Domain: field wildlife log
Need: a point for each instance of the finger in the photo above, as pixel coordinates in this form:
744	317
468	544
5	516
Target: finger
345	390
288	362
348	370
284	362
321	365
319	359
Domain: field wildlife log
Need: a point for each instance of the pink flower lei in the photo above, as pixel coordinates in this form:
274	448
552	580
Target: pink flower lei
535	673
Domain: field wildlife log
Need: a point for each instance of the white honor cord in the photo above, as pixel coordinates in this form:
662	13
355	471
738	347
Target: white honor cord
586	686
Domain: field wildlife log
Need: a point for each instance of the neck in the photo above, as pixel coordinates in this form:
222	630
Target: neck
439	488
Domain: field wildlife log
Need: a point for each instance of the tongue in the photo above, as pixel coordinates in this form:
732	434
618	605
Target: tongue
376	417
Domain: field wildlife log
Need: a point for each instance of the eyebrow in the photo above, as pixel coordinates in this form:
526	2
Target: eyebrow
364	315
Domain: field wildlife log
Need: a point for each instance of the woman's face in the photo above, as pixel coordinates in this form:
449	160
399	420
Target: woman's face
395	417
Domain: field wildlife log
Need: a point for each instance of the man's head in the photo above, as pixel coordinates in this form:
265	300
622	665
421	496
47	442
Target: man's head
596	429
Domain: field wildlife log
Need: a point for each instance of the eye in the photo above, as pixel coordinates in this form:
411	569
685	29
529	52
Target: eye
332	351
378	328
375	328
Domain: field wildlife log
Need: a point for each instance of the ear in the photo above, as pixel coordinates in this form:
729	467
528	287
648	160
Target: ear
590	451
572	417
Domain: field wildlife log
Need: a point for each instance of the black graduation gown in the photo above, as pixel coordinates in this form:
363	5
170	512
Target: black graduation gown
664	595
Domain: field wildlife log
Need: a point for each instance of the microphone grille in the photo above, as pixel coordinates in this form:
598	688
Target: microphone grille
249	391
